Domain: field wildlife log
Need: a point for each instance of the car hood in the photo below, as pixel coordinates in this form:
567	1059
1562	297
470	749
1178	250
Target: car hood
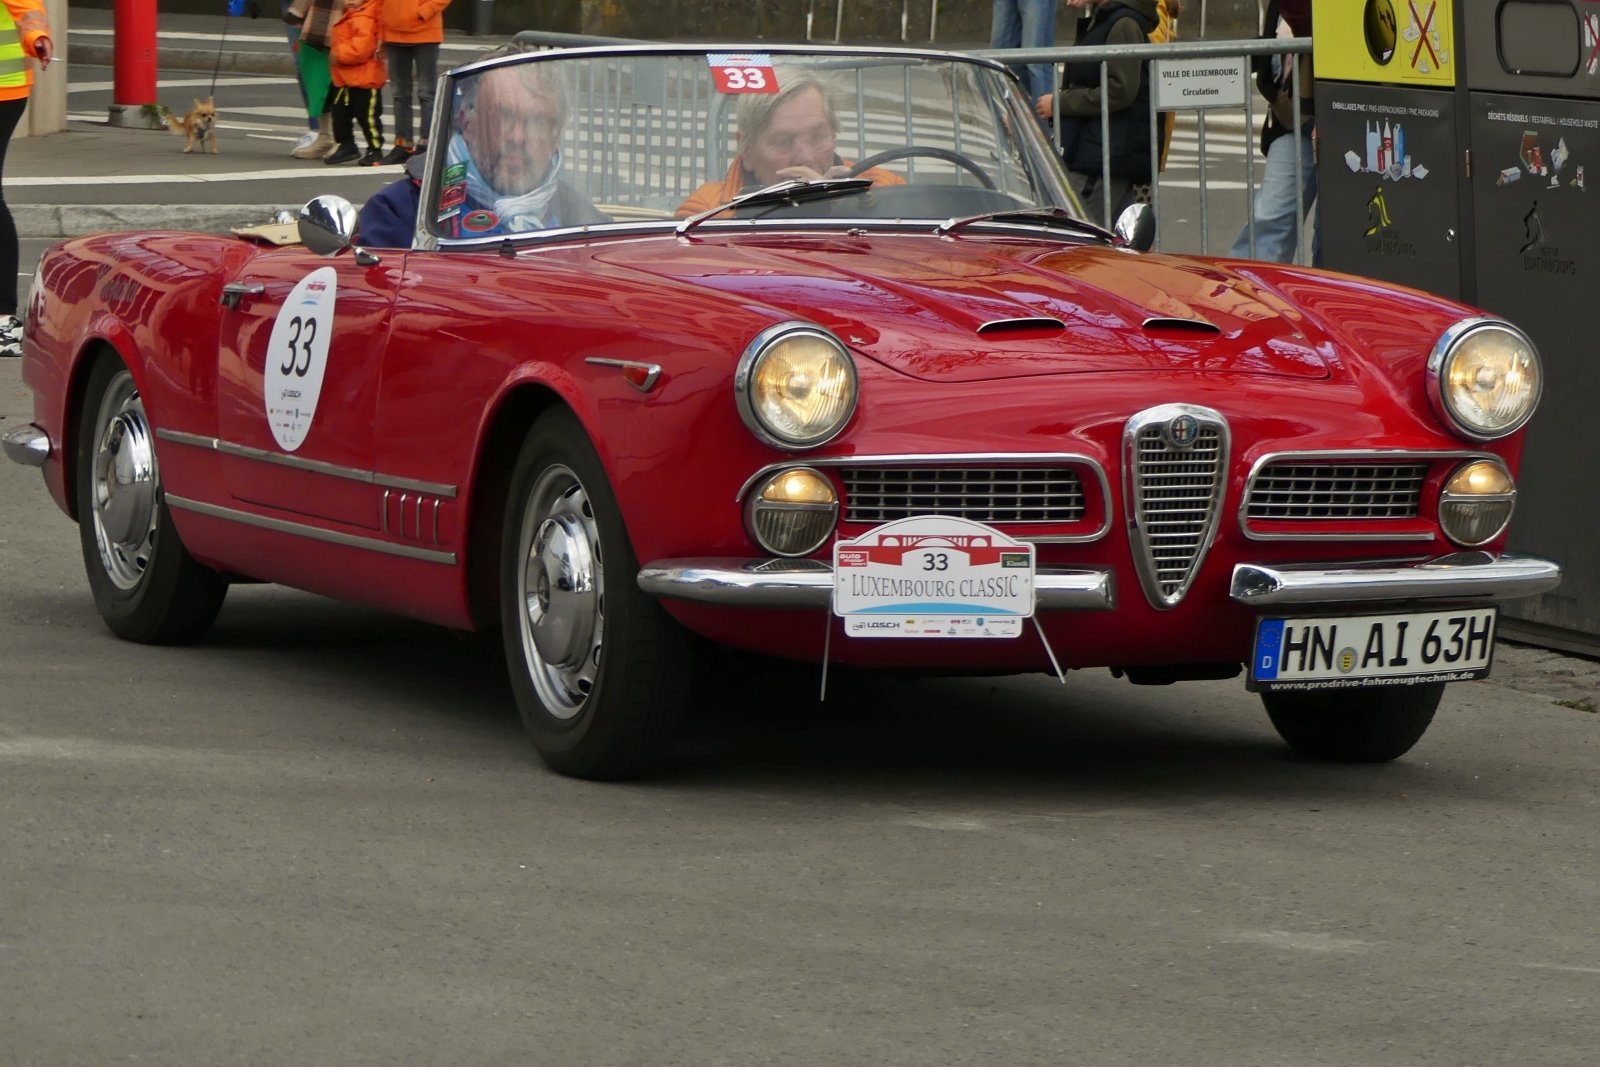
959	310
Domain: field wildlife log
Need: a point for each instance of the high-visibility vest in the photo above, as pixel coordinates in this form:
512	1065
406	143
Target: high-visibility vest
13	65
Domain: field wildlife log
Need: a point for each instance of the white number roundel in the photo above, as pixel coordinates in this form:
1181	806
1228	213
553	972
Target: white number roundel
297	356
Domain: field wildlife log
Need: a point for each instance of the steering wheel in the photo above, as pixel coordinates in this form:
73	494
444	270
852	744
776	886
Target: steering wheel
933	153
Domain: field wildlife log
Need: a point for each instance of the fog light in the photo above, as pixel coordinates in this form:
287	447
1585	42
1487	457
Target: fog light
793	512
1476	503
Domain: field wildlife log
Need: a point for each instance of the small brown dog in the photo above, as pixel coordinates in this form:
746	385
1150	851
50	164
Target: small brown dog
199	125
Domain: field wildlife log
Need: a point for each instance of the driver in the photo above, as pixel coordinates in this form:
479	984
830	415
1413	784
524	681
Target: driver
505	156
783	135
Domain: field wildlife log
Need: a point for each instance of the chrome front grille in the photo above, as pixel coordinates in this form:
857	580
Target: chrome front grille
1176	493
1293	491
981	494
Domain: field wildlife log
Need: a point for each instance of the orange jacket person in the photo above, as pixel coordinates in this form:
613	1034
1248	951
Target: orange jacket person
412	33
23	33
355	62
788	134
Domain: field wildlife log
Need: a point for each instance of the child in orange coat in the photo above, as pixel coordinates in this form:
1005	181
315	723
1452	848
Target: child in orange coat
355	62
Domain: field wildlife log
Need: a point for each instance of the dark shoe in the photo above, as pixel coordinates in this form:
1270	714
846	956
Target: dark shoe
373	157
397	155
10	336
343	154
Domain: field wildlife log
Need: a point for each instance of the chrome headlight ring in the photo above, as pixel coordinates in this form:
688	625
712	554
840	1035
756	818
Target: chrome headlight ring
745	384
1448	346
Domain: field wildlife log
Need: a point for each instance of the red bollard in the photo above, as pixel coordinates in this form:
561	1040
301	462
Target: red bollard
134	69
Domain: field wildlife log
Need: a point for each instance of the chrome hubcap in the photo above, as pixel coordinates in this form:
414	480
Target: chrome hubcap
123	485
561	586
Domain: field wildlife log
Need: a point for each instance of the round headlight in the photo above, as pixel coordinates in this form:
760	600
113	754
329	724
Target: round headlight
1476	503
796	386
793	512
1484	378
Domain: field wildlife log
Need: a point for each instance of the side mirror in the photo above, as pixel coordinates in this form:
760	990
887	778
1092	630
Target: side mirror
328	225
1136	227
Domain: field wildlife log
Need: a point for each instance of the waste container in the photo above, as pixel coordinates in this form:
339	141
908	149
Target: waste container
1388	142
1533	75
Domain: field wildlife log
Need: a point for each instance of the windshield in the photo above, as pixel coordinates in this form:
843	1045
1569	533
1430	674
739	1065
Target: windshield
548	142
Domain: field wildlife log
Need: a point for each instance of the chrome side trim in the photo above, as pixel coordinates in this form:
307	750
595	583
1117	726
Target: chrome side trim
315	466
808	583
315	533
1132	499
951	459
27	445
1441	351
1373	454
1473	575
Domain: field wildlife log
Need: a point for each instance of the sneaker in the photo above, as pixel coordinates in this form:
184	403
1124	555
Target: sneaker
373	157
10	336
319	145
343	154
397	155
306	140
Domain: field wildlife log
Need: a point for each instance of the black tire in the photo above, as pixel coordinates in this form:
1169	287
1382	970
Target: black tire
145	584
1354	725
601	677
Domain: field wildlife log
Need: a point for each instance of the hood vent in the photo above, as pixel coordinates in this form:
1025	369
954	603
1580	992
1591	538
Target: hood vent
1198	327
1030	325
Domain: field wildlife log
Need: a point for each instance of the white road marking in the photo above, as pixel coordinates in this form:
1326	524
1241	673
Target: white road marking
1562	967
180	83
176	35
1297	942
225	176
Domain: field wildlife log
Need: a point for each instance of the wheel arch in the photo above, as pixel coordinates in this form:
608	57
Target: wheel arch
90	352
513	416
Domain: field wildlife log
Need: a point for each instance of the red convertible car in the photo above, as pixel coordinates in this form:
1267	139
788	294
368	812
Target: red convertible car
809	352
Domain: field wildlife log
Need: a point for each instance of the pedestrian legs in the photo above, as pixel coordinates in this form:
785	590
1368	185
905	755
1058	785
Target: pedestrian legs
1026	24
1087	186
1277	229
422	60
351	106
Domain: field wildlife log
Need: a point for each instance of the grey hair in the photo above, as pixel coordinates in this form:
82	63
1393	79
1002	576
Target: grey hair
755	110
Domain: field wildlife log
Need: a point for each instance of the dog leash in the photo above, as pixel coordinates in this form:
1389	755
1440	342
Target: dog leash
215	70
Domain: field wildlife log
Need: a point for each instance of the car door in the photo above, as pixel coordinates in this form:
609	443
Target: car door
299	361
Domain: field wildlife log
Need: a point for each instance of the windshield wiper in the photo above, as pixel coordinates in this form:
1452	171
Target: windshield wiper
1042	216
792	191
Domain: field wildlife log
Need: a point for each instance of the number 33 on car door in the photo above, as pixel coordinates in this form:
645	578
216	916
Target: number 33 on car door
297	357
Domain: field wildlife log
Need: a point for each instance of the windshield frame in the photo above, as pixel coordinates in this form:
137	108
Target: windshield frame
1041	160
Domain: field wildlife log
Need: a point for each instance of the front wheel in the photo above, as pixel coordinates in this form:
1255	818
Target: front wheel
599	670
145	584
1354	725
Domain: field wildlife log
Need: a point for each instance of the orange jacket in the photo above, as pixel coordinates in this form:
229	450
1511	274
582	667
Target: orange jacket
356	58
414	21
31	25
711	194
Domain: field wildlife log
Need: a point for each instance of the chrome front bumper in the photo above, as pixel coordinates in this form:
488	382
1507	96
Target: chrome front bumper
1460	576
808	583
27	445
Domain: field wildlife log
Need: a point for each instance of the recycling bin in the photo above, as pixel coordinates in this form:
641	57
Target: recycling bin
1533	75
1391	199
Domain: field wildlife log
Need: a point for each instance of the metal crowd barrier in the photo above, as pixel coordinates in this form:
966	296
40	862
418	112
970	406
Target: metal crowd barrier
1104	55
1294	47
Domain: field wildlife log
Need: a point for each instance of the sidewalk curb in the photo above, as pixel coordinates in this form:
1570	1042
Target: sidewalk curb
57	222
197	59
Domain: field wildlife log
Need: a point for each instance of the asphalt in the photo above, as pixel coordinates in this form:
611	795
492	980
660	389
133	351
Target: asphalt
320	837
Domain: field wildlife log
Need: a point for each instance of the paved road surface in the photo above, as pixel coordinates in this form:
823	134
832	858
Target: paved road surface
320	837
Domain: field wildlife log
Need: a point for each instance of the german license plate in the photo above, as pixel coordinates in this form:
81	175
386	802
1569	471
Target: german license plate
1361	651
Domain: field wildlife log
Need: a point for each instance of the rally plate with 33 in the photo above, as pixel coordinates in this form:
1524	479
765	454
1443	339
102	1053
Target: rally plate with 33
1353	652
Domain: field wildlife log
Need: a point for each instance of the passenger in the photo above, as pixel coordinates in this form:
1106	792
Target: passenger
503	167
389	217
788	134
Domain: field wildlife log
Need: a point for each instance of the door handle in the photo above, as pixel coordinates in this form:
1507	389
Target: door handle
233	292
